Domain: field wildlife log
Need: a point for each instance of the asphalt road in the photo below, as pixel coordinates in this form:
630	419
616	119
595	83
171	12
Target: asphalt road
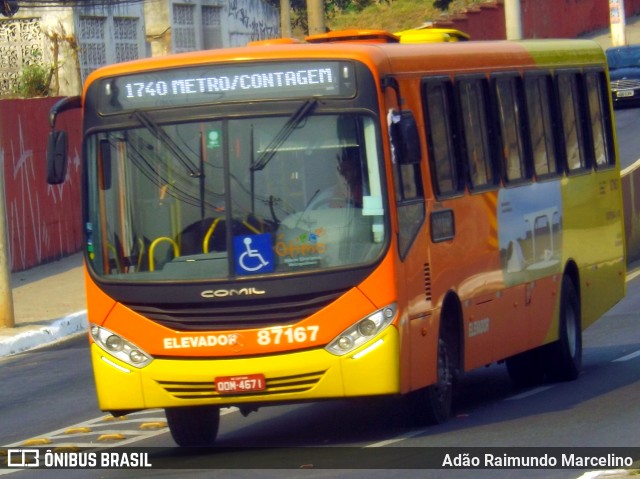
627	121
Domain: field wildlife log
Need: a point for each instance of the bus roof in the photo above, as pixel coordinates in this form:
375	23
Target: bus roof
396	57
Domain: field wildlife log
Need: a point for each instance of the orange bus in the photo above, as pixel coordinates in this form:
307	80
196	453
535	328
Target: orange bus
303	221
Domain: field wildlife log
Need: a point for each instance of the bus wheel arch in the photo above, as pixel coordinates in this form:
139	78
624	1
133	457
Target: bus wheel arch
434	404
452	330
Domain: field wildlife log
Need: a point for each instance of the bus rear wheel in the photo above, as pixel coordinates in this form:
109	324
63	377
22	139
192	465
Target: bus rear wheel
193	425
526	369
563	358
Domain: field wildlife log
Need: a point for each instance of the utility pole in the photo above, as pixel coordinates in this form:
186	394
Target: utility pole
618	23
315	17
513	19
285	19
6	296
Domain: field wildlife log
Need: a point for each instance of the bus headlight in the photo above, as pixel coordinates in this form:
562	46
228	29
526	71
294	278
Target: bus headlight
119	347
362	331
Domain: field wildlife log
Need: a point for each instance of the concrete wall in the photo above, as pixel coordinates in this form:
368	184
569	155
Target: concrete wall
250	20
242	21
56	42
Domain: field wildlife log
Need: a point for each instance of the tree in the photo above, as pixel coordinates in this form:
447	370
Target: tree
299	9
442	4
316	17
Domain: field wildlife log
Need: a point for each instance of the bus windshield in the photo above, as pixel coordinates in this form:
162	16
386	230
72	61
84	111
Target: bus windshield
234	197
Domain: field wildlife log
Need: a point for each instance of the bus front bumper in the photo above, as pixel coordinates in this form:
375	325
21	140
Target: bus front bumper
372	369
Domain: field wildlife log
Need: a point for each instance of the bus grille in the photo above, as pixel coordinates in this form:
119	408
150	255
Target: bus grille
207	390
245	314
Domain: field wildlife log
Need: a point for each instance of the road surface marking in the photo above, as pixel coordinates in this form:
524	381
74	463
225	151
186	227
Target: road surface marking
403	437
526	394
627	357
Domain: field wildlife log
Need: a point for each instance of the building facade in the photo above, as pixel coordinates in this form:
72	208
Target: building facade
72	42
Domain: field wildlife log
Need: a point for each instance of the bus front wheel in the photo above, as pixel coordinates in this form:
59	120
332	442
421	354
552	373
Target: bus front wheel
433	404
193	425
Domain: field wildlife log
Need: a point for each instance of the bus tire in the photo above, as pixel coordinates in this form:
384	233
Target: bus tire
563	358
433	404
193	425
526	369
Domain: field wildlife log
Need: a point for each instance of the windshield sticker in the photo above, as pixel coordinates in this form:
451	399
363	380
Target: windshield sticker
306	249
213	139
253	254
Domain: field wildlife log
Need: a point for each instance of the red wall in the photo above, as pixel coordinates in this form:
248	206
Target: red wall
43	221
540	18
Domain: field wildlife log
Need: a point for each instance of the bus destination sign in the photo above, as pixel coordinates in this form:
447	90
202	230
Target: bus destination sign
227	83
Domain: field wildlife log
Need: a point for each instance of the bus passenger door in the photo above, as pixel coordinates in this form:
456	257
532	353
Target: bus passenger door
420	344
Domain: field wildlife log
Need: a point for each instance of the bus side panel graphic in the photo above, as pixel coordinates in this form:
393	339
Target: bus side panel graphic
530	231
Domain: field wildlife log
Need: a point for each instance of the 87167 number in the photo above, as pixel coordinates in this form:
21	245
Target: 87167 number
288	335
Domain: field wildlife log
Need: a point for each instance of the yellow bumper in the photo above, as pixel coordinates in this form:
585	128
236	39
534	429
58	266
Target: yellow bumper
373	369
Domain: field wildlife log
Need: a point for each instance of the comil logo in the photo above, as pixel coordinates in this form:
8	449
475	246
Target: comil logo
223	293
23	458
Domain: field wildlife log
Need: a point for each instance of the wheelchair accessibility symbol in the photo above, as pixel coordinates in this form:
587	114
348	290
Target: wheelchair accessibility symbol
253	254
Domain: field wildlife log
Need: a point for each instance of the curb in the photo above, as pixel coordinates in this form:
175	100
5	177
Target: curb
23	338
613	474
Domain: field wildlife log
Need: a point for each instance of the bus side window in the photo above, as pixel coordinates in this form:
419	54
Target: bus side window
408	177
440	121
538	89
508	96
570	101
474	114
599	116
408	184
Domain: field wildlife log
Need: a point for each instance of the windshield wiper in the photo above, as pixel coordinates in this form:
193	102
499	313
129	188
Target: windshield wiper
292	123
145	120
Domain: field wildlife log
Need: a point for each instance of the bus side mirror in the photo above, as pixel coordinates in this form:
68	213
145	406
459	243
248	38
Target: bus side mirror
405	139
57	157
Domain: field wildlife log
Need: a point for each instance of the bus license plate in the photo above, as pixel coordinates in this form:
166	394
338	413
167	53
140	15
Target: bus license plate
625	93
240	384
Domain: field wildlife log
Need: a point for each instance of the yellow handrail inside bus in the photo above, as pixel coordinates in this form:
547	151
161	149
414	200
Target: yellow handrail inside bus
176	249
252	228
113	249
141	253
212	227
207	237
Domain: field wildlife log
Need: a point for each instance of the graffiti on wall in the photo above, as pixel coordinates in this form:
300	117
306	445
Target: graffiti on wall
252	22
43	221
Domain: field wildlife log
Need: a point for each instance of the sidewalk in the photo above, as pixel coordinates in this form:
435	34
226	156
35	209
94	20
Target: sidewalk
603	37
48	303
